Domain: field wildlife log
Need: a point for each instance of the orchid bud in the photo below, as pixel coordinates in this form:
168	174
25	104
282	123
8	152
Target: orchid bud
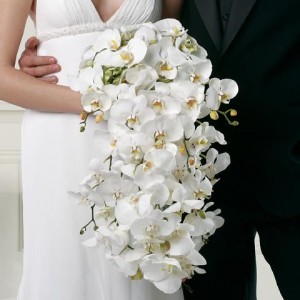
214	115
233	112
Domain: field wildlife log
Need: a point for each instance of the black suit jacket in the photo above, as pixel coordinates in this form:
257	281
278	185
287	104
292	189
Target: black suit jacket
260	50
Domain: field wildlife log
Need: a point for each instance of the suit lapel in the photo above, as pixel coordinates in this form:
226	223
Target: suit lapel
209	13
238	15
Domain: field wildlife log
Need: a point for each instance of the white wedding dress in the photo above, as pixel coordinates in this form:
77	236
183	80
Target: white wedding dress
55	157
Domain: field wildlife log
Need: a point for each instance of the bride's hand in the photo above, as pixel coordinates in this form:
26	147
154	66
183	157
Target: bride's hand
38	66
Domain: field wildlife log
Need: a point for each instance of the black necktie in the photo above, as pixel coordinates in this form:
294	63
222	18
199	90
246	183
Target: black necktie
224	11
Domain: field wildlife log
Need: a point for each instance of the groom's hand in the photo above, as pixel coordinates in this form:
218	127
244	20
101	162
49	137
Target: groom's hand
38	66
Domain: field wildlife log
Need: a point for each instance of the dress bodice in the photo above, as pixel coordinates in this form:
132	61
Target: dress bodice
66	28
69	17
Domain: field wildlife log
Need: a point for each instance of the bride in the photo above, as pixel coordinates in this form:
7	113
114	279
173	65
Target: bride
55	154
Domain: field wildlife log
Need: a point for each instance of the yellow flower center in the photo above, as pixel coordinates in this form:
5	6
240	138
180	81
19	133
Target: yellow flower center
113	143
166	67
176	30
223	97
198	194
126	56
192	161
134	200
136	152
160	135
147	166
152	229
195	78
158	105
168	268
96	104
182	149
191	103
117	195
202	142
114	45
132	120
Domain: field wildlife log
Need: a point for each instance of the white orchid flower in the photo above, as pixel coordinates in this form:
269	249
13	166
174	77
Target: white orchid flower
105	215
161	101
127	56
189	45
148	34
159	194
220	91
88	79
82	197
96	101
180	240
141	76
190	96
133	146
181	164
157	164
114	188
203	137
190	263
106	142
127	268
165	273
121	91
114	237
109	39
204	222
199	187
131	114
170	27
98	168
215	163
165	58
133	207
198	73
163	129
182	203
155	226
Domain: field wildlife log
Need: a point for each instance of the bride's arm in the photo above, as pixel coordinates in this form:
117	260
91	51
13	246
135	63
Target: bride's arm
171	8
17	87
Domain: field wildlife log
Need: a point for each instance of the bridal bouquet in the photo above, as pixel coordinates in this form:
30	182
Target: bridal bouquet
149	189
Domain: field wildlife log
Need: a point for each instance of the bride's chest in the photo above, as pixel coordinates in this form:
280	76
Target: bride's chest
62	14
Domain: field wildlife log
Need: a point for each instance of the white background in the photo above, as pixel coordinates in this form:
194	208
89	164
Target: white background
11	209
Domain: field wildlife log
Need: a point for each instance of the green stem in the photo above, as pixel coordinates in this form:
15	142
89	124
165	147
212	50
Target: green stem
84	228
225	114
83	122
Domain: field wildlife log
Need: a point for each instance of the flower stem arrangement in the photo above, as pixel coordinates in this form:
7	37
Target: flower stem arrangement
149	189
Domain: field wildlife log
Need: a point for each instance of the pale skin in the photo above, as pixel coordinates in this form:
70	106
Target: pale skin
16	87
39	66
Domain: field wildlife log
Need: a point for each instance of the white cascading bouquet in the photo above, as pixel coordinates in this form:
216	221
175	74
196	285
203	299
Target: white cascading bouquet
149	188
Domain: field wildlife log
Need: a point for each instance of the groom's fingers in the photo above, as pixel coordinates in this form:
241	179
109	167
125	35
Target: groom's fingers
38	66
41	70
32	43
28	60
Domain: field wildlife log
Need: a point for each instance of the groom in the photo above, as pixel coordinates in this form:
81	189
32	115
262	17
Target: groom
256	43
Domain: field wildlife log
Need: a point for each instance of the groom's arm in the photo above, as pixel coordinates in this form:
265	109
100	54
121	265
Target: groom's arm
38	66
